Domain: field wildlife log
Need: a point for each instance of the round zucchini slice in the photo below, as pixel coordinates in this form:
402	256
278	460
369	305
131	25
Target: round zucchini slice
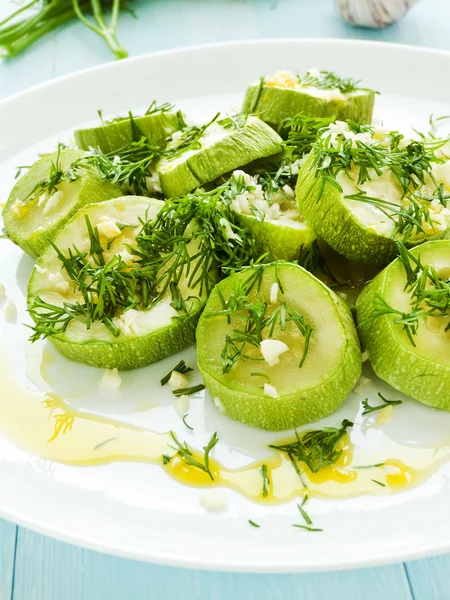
318	94
276	347
362	218
47	196
414	359
200	155
131	337
120	132
271	216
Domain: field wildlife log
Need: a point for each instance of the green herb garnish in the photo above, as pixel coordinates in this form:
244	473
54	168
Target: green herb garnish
253	524
186	454
189	390
181	367
316	449
370	409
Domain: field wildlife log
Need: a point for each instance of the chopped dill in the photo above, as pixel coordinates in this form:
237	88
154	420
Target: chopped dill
266	481
186	454
189	390
181	367
253	524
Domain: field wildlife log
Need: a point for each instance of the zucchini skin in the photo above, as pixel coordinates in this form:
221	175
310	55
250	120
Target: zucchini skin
274	104
333	221
278	241
111	137
133	353
253	141
393	358
291	410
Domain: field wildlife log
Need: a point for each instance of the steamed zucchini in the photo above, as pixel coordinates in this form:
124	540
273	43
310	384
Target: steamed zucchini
276	347
156	125
317	94
362	188
267	209
48	196
95	300
198	155
404	322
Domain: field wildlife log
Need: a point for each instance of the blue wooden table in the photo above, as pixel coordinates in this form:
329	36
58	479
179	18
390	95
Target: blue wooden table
34	567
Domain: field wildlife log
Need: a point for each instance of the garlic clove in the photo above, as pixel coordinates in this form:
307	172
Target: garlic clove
375	14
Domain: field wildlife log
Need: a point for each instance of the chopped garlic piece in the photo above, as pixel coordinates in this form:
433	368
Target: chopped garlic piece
58	282
274	293
53	201
108	228
384	415
213	500
182	405
362	382
218	404
19	208
10	312
365	356
229	233
178	380
39	269
271	351
270	390
111	380
116	160
282	79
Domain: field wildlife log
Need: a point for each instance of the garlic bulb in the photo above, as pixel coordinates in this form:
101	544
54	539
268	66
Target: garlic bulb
373	13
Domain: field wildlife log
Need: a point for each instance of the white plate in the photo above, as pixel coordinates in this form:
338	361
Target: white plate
134	509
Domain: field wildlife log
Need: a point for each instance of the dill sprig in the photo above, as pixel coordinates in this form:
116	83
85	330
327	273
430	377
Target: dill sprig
153	109
316	449
301	131
370	409
56	175
259	318
326	80
430	295
189	390
186	454
181	367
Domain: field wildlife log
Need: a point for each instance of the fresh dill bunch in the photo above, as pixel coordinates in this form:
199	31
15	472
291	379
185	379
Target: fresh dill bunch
326	80
260	321
430	295
300	132
316	449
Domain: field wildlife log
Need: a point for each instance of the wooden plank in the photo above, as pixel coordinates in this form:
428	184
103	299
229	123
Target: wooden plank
53	570
430	578
7	557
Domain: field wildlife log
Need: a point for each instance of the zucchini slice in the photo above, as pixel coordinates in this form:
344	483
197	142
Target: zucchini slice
120	132
47	196
317	94
414	358
123	338
362	188
269	212
276	347
199	155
